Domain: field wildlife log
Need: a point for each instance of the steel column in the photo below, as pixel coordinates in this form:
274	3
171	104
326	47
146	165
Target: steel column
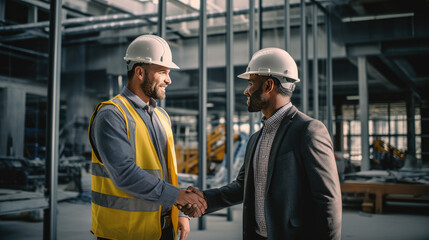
202	106
2	10
50	214
162	4
315	66
251	51
230	102
411	130
329	78
260	25
363	107
388	123
286	30
304	78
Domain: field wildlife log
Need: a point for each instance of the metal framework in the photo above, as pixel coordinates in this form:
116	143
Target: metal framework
364	115
230	101
329	78
286	30
251	51
304	50
50	214
202	106
315	66
162	14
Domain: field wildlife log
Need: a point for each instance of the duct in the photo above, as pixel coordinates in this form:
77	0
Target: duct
78	21
169	20
119	21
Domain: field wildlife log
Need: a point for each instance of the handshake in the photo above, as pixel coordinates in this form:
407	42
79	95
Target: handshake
191	202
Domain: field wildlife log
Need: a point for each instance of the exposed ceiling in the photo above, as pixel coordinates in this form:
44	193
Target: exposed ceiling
392	34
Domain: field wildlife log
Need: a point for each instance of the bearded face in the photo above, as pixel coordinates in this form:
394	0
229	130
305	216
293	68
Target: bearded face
154	85
255	101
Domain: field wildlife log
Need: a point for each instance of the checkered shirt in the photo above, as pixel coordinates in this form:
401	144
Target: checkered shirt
260	164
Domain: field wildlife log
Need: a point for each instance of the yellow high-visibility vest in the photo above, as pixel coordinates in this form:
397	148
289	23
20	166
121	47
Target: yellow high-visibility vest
119	215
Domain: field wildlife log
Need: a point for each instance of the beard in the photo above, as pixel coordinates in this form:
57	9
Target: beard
151	89
256	103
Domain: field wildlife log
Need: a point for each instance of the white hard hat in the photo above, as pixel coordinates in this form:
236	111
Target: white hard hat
149	49
274	62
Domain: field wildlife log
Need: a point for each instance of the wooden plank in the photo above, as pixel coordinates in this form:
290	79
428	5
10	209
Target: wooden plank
386	188
381	189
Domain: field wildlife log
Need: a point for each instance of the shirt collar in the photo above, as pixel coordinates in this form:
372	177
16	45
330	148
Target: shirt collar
277	116
137	101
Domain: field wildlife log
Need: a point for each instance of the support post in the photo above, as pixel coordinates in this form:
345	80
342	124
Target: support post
202	106
411	130
2	10
260	25
315	66
50	214
329	78
162	6
286	30
230	102
363	106
251	51
304	78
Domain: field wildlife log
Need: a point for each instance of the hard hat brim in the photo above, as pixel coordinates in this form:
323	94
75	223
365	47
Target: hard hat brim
170	65
246	75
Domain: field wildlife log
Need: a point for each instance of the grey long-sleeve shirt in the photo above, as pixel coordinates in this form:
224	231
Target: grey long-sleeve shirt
109	137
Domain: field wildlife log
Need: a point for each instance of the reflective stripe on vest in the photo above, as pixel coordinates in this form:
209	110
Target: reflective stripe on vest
98	170
120	203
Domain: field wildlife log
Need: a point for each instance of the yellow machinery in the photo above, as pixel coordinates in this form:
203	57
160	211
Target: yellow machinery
187	158
387	156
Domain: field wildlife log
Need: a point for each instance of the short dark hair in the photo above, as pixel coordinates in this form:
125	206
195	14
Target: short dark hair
130	73
280	89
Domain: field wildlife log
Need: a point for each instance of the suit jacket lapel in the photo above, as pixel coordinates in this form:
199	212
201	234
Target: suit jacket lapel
284	125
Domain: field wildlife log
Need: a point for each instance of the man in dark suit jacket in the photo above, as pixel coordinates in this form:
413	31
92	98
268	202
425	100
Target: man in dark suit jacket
289	182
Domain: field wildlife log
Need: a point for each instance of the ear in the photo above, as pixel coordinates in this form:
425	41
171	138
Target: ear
269	85
139	73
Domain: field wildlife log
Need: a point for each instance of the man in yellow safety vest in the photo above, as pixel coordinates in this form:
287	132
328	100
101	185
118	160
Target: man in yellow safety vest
134	174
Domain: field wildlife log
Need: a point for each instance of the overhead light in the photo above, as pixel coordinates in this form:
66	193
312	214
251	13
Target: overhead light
352	97
210	105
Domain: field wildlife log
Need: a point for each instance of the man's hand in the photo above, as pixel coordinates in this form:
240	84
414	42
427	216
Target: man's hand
183	227
191	203
197	191
189	209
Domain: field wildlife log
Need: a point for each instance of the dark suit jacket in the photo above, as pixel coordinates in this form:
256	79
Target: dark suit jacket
303	197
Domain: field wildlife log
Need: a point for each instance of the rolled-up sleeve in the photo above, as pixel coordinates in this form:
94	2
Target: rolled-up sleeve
109	136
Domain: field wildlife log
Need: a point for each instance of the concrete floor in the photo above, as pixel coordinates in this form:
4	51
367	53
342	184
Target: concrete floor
398	222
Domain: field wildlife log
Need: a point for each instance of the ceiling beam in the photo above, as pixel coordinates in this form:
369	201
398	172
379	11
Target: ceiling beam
411	86
46	6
